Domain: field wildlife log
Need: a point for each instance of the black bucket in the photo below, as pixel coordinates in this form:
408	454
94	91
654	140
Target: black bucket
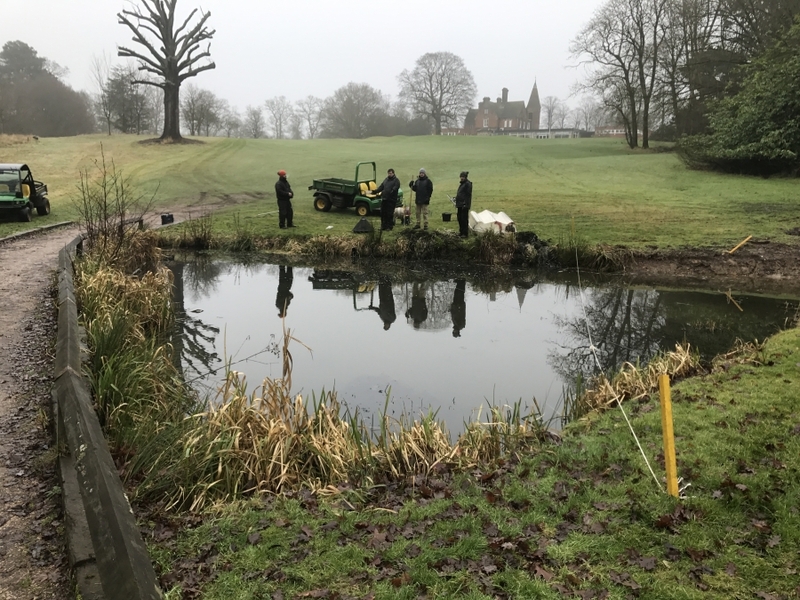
446	217
167	219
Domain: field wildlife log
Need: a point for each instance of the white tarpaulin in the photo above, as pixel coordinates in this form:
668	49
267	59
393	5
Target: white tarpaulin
488	221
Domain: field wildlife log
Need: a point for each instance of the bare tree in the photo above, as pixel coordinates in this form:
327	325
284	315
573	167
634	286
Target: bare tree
279	110
354	111
173	58
622	44
586	112
550	107
231	123
201	110
440	88
310	110
296	127
100	73
561	114
254	122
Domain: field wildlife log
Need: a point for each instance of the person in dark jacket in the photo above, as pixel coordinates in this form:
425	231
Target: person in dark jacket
284	193
284	297
464	203
388	191
423	187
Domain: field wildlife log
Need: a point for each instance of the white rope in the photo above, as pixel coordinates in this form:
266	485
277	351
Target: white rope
593	350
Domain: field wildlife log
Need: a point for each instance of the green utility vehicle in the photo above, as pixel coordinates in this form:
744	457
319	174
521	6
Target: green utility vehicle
20	193
344	193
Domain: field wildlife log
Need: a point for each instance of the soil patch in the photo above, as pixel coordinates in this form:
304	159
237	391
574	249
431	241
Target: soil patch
760	267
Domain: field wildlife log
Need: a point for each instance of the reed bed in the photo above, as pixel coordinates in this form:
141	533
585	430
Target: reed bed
633	382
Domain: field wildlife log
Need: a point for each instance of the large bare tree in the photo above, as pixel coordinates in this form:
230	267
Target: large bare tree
440	89
175	56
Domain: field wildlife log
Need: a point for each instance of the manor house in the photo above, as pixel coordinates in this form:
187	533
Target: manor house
505	117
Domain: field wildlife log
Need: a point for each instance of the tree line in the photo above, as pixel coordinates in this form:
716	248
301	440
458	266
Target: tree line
689	70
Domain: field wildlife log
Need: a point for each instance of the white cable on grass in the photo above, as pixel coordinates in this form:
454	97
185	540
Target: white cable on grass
593	350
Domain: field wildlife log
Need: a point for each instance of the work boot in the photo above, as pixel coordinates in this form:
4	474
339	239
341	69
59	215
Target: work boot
416	226
426	227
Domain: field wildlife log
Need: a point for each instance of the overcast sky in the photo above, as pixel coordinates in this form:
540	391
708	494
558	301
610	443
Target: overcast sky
297	48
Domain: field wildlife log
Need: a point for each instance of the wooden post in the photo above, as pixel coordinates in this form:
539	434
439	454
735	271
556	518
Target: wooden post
669	437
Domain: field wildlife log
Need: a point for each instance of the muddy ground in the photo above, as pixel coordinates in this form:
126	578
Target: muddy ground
33	563
760	267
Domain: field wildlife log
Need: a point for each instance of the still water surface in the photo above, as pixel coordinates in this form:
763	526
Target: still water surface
440	340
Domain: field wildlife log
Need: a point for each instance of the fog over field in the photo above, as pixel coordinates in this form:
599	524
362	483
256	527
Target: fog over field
313	47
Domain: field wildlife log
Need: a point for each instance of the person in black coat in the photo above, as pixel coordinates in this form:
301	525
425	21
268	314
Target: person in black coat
464	203
388	191
285	279
423	186
284	194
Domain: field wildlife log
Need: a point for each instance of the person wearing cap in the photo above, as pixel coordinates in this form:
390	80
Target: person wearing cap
388	191
464	203
423	187
284	194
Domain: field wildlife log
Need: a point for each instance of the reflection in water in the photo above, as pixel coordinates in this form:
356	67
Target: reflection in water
385	306
458	309
285	278
528	337
418	312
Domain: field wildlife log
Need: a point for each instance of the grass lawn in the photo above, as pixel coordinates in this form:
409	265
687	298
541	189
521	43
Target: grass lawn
596	188
583	519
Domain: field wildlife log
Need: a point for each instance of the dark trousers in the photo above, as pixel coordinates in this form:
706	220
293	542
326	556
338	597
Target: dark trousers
285	213
387	213
463	222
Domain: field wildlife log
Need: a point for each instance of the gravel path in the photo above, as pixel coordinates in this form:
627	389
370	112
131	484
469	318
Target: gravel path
33	563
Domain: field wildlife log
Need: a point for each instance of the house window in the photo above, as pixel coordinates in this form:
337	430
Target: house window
486	111
486	122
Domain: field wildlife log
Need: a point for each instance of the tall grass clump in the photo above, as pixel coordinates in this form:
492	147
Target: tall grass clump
633	381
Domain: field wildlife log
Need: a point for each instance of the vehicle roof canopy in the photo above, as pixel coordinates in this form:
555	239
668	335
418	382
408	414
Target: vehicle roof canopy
13	167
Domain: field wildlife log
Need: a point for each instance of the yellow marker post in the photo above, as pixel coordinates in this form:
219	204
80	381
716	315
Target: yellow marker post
669	437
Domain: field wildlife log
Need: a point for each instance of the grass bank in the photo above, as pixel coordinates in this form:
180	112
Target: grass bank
596	189
583	518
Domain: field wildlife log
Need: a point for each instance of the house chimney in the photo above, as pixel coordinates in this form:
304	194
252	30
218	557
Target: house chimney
486	99
505	95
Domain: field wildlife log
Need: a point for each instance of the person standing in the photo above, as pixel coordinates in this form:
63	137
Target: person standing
423	187
284	193
388	191
464	203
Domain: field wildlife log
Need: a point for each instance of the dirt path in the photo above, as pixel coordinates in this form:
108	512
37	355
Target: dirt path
33	563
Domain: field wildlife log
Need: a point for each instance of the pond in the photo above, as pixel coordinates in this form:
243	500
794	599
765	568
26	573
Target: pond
439	337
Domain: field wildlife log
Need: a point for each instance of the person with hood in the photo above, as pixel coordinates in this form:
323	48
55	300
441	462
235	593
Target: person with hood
388	191
423	187
464	203
284	194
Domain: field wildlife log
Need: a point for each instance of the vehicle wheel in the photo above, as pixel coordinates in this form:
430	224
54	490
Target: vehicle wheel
322	203
44	209
25	214
362	209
